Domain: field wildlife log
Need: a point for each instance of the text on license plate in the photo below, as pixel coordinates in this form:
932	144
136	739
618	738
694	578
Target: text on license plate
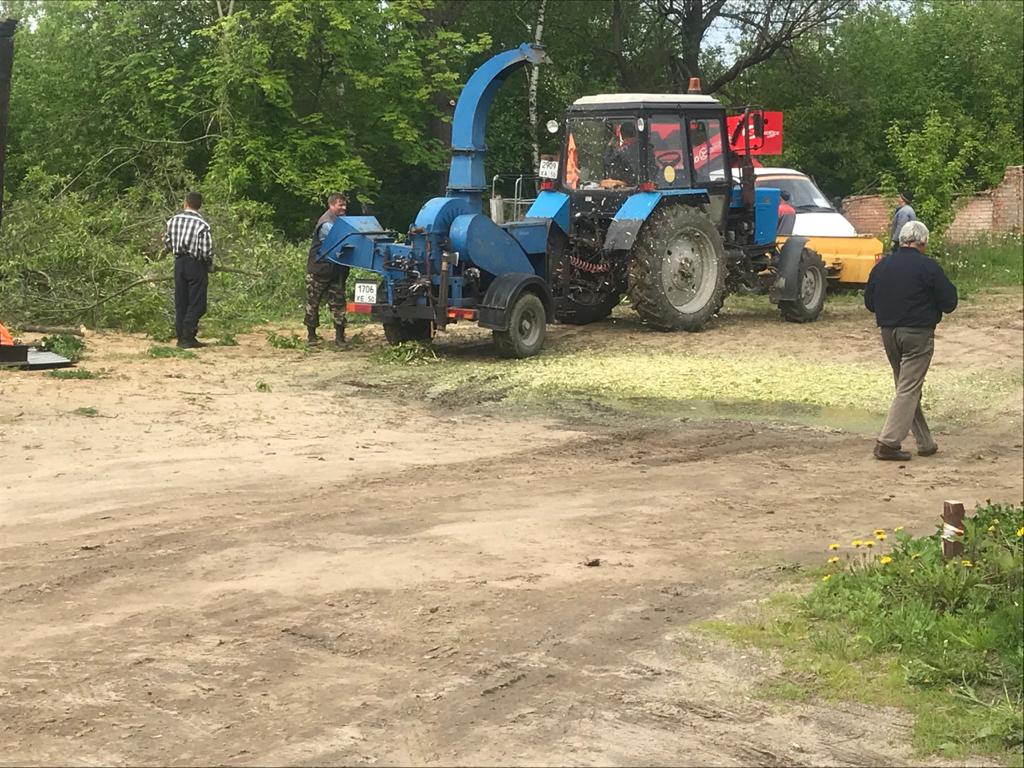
365	292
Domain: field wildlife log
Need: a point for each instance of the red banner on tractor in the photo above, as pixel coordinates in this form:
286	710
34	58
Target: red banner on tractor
764	130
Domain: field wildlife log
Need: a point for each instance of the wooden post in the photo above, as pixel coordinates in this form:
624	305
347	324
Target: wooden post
7	27
952	529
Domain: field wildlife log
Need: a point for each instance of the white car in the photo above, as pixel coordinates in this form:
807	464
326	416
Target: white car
815	215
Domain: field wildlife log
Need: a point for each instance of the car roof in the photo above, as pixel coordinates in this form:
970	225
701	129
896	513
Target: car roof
762	171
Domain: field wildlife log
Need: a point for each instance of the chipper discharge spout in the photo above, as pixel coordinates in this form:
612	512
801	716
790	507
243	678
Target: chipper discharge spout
455	262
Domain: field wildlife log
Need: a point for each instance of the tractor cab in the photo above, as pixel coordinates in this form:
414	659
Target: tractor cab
619	144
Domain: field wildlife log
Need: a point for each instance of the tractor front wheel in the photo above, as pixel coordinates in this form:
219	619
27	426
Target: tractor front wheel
812	279
677	269
527	327
399	331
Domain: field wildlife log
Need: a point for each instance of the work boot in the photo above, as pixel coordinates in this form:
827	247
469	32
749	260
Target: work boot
928	451
884	453
312	339
190	343
339	335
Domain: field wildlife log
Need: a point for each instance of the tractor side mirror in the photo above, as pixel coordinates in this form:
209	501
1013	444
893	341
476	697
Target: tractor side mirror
757	124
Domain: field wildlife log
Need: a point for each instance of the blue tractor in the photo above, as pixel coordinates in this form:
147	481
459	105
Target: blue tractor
642	201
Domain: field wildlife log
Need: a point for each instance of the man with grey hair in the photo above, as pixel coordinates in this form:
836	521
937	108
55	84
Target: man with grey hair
908	292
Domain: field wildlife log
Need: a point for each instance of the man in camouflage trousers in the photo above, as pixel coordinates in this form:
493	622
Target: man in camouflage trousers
324	278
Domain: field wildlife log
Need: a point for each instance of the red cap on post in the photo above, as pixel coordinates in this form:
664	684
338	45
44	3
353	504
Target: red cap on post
694	86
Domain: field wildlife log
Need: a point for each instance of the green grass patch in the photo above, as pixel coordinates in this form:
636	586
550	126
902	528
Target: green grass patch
994	261
262	386
65	345
892	624
73	373
88	411
161	352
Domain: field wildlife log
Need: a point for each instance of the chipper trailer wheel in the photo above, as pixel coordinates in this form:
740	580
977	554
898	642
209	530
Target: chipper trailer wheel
677	269
399	331
527	326
812	278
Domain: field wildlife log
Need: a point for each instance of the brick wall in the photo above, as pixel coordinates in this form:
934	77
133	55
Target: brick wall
973	218
998	210
1008	201
869	214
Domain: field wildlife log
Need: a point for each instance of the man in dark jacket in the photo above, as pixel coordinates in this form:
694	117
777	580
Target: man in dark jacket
908	292
324	277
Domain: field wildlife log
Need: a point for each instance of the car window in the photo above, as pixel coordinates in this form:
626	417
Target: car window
803	194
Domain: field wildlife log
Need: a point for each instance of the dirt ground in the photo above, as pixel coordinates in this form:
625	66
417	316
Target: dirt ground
317	571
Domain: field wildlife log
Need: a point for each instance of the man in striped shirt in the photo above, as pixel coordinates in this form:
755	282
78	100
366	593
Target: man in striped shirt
188	238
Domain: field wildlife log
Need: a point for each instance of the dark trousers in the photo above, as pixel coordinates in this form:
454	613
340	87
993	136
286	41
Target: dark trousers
190	281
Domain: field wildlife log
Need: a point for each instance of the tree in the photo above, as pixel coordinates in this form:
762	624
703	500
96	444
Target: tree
763	28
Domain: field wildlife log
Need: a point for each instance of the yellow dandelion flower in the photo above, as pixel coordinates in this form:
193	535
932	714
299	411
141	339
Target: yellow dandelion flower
885	560
833	546
856	542
880	536
915	556
966	564
869	544
833	560
897	529
1020	531
826	577
879	531
991	529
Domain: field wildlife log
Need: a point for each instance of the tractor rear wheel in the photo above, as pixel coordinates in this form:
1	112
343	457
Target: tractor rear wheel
527	327
399	331
812	279
677	269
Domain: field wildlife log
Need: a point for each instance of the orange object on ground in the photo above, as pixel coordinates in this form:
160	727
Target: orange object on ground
5	336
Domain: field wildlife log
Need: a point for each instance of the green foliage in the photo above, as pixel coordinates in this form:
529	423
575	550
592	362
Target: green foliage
165	352
286	342
73	373
87	411
932	160
262	386
902	627
64	345
898	63
69	257
407	353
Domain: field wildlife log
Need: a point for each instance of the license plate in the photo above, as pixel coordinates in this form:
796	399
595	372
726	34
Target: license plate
365	292
548	169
